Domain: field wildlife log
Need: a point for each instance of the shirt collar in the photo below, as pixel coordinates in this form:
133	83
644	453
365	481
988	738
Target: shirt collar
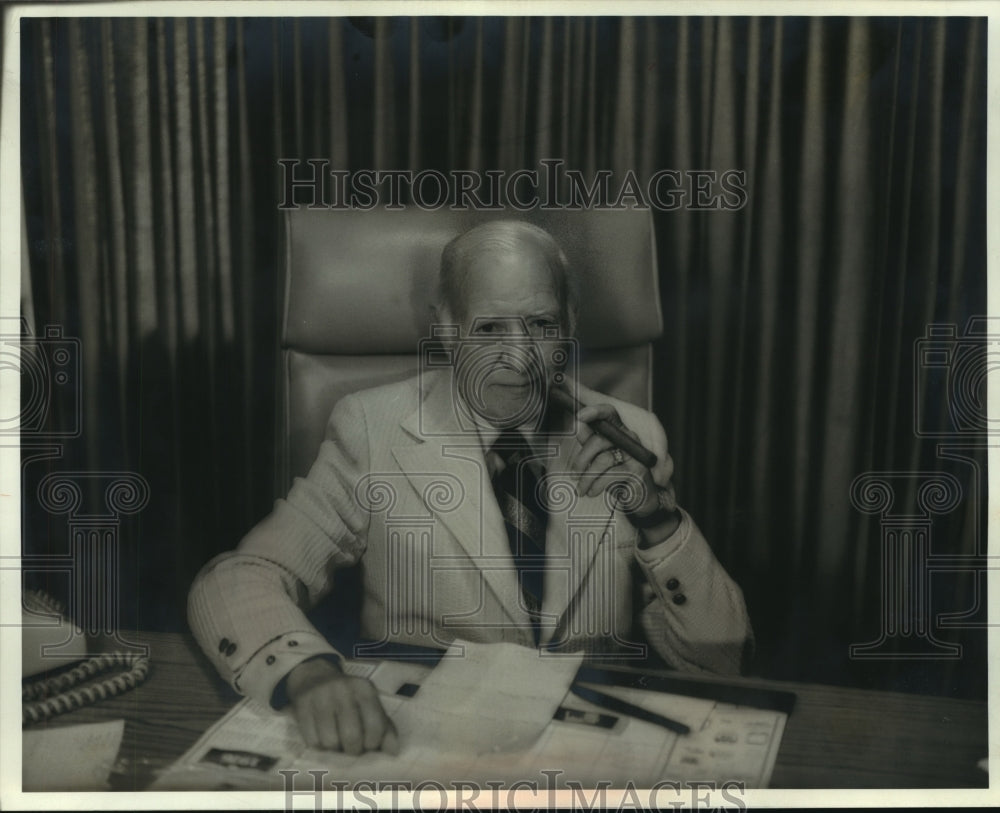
539	441
488	434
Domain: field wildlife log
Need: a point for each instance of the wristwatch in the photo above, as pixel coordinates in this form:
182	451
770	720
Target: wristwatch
667	508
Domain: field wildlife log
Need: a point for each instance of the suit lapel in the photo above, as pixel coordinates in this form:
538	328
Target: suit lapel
475	522
577	527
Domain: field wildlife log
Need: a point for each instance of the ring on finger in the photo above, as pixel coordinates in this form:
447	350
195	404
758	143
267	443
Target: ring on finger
618	456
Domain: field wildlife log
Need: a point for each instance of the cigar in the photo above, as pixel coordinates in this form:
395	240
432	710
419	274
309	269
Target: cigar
605	428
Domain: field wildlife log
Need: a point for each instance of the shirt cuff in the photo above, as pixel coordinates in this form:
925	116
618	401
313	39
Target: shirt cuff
680	567
673	542
273	661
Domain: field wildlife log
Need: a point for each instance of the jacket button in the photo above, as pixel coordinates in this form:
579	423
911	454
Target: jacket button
673	584
679	598
270	659
230	649
223	644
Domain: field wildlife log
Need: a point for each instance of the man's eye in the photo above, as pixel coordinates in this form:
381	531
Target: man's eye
488	327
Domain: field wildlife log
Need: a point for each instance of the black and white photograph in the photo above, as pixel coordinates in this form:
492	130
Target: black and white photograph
497	405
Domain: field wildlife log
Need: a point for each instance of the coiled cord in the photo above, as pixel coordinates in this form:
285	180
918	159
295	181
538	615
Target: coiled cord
43	699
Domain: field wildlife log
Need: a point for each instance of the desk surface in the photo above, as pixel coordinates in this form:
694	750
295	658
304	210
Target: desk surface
835	737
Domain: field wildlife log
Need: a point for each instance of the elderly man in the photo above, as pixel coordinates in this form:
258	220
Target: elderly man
534	540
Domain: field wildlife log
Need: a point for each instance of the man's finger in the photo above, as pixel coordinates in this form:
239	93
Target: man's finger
323	710
590	445
668	470
596	411
307	725
327	732
598	470
390	740
590	452
349	725
373	720
670	503
583	432
601	412
602	482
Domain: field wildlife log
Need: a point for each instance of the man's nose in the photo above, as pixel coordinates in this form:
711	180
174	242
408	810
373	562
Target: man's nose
517	327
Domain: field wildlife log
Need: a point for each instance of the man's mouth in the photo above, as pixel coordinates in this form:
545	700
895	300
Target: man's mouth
509	379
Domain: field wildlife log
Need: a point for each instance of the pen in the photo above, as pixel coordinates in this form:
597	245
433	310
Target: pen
623	707
606	428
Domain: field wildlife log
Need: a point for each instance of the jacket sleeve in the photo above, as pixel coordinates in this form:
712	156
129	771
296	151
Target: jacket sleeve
246	607
692	612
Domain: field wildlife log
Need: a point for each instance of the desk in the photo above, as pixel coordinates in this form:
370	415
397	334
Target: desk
835	737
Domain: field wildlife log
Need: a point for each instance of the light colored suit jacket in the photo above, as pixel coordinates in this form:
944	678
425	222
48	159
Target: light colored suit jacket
400	486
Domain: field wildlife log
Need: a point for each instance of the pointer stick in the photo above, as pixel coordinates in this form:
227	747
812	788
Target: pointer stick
606	701
605	428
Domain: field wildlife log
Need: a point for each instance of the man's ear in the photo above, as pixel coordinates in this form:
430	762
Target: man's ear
441	315
570	322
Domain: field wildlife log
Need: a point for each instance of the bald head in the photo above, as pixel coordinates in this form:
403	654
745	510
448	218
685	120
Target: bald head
471	255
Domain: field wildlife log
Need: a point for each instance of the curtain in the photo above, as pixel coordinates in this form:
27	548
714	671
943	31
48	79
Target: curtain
151	186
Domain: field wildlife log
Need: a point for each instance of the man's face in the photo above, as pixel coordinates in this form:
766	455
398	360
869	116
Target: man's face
510	327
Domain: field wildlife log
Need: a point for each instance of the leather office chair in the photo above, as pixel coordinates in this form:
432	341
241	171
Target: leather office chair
358	293
359	287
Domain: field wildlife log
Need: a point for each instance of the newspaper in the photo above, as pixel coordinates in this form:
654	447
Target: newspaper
253	748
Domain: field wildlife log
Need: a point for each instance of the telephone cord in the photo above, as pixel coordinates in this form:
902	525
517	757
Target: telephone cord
46	698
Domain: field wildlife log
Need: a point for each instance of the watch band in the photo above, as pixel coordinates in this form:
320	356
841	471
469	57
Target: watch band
667	509
658	517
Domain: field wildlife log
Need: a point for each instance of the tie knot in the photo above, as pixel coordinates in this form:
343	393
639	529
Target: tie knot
511	446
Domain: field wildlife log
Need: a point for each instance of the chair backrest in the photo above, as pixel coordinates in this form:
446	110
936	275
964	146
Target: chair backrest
359	286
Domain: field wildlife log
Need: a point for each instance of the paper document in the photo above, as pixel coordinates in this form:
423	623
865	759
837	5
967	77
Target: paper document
70	758
498	714
486	698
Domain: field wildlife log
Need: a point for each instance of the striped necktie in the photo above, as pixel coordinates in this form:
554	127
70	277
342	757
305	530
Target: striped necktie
525	517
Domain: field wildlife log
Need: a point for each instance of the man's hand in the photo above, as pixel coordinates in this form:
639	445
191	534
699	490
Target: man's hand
597	465
339	712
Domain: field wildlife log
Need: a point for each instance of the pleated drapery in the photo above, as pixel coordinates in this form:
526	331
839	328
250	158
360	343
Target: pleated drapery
151	186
